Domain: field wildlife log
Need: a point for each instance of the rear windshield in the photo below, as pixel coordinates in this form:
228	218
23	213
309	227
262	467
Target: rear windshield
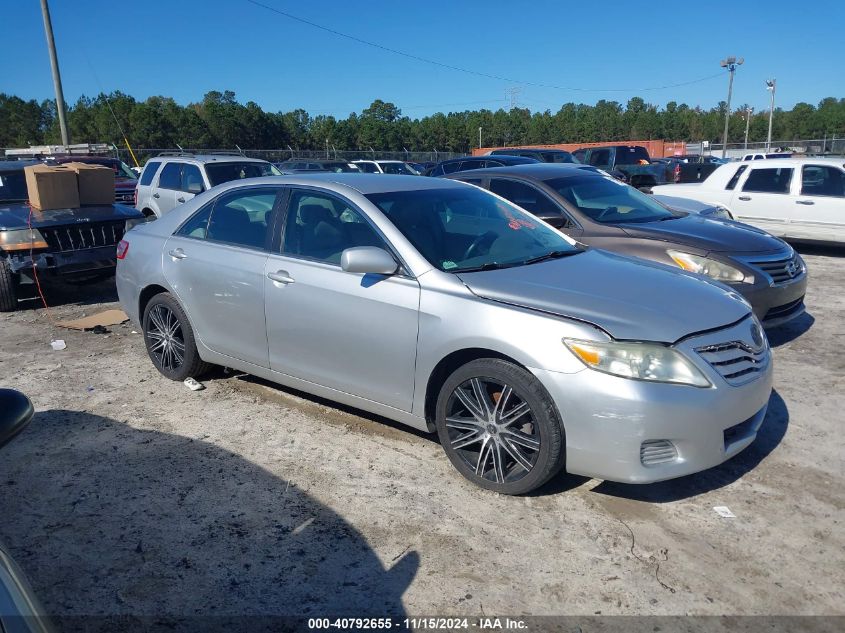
608	201
224	172
12	186
631	156
341	167
558	157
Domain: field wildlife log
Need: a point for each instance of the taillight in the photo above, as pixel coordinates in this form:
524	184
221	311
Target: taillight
122	249
677	173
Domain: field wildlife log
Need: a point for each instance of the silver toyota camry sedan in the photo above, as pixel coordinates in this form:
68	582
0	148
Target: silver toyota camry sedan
445	307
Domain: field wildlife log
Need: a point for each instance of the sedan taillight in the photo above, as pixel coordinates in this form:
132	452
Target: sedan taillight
122	249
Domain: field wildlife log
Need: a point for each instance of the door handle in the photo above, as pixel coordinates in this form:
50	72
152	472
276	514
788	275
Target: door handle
155	195
281	276
177	253
804	202
745	198
180	199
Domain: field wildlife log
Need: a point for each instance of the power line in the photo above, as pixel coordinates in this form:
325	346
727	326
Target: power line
468	71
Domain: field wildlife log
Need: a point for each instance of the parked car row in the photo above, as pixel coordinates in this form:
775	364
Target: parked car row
488	306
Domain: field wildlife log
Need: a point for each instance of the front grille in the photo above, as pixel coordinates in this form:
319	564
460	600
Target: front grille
654	452
785	310
737	362
83	236
780	270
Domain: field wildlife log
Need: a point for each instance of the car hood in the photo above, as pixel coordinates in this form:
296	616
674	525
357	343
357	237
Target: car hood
629	298
16	215
708	234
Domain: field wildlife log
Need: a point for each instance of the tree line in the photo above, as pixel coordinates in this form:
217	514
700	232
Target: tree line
220	121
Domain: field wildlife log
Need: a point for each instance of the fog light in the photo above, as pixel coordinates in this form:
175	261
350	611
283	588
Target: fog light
654	452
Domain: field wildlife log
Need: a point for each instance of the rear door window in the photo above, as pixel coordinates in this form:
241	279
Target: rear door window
635	155
449	168
768	180
149	171
472	164
241	217
171	176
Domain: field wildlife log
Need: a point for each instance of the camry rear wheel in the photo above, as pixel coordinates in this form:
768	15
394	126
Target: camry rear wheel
499	427
170	339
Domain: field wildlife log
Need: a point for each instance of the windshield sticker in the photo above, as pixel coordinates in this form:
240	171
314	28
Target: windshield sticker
517	224
449	264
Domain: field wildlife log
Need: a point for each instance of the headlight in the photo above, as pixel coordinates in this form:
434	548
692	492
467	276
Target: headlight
710	267
22	240
640	361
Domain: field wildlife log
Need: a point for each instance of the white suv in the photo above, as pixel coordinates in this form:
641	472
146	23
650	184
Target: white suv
385	167
169	180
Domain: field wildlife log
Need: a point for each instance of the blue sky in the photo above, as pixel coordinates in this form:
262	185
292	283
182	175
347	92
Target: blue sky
613	50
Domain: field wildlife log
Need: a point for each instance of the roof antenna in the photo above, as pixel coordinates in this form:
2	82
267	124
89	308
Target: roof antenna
180	148
240	150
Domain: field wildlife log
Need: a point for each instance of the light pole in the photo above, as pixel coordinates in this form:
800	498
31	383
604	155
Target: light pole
748	111
479	137
771	84
54	65
730	63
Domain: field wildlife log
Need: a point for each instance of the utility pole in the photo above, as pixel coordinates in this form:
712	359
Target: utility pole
730	63
748	111
479	137
771	84
57	79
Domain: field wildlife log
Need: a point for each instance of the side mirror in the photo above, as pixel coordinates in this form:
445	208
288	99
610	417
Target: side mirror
15	413
195	188
368	260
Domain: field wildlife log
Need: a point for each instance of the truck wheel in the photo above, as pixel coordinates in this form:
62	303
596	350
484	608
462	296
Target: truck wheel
8	288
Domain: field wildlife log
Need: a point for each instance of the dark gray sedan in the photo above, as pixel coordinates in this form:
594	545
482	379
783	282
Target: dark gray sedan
595	209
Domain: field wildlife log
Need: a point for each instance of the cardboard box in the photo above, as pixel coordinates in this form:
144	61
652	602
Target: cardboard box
96	182
51	187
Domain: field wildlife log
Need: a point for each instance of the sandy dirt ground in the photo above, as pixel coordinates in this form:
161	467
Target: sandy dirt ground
130	494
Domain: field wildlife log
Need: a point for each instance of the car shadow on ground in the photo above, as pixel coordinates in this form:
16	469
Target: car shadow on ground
109	520
59	293
791	330
769	436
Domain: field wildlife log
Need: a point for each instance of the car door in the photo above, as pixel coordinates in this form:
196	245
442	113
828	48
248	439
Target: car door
347	331
215	263
763	197
167	188
535	201
818	203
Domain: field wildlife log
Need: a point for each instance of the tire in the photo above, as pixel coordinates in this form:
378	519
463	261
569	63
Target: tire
8	288
525	438
170	340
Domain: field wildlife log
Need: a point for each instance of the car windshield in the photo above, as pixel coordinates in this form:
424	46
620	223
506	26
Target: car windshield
465	229
606	200
12	186
397	168
224	172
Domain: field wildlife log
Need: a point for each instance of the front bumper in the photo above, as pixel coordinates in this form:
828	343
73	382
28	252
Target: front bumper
66	264
608	419
775	304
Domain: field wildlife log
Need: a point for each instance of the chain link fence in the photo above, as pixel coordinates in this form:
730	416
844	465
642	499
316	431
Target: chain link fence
832	146
281	155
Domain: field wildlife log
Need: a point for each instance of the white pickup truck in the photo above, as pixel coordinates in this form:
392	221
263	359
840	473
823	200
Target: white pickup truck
793	198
